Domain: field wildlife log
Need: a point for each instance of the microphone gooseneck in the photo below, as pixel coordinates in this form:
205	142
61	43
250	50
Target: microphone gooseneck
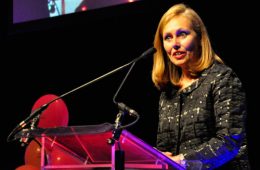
123	108
144	54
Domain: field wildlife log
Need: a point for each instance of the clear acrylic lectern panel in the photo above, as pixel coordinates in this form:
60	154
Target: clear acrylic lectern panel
87	147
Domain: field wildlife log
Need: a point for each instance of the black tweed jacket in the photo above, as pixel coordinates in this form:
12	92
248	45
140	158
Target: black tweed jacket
206	121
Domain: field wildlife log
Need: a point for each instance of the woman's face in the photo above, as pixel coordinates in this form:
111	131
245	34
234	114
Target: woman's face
180	41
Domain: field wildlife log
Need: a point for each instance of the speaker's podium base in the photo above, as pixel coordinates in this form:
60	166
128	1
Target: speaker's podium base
87	148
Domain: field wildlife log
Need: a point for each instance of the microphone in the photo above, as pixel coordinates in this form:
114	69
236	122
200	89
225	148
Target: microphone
123	109
121	105
35	113
148	52
39	110
32	118
127	109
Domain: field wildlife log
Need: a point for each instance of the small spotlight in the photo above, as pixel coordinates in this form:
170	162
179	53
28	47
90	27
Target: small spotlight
84	8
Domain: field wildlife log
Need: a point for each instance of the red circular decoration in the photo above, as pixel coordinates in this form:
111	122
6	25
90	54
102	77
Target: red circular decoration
33	154
56	113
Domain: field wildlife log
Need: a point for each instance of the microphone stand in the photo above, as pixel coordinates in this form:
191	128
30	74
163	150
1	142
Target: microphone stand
118	155
39	110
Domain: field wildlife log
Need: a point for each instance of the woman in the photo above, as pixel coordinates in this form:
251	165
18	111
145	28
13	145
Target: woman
202	107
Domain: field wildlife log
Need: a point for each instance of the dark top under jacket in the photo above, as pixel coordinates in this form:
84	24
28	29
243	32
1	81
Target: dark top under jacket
206	121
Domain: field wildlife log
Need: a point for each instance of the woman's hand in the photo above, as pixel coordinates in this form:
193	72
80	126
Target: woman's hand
177	158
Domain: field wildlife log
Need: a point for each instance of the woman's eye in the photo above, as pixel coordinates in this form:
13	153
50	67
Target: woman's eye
182	34
167	37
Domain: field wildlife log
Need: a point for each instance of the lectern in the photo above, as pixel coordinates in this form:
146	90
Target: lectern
86	147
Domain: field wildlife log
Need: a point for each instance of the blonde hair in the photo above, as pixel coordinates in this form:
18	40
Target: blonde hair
163	70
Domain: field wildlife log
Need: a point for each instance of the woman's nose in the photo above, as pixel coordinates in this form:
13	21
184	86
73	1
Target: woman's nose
176	43
176	46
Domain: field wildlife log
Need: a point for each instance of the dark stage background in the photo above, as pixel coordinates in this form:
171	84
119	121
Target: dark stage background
56	55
